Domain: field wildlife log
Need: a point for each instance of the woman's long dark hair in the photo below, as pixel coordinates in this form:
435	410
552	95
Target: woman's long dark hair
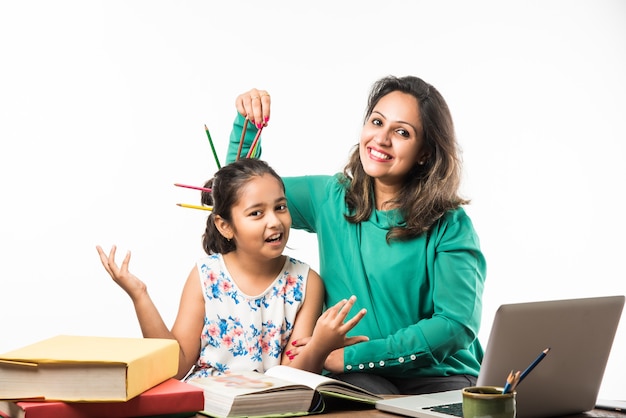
429	190
226	188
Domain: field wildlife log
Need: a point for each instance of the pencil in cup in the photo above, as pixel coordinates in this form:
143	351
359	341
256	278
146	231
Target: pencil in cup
519	376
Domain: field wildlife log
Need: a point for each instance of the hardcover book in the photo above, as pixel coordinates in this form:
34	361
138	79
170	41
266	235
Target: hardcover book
170	397
84	368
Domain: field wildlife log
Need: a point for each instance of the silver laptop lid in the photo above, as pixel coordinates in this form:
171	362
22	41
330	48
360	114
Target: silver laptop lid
579	333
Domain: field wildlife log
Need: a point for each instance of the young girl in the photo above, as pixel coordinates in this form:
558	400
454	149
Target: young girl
245	302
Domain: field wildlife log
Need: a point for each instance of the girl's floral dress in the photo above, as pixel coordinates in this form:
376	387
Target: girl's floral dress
244	332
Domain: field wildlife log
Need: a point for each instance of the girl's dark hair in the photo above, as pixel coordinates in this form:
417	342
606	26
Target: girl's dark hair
226	188
429	190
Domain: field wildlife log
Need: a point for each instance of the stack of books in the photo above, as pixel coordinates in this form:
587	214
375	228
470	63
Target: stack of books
109	377
91	377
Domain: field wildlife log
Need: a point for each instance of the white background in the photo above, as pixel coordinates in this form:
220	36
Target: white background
103	106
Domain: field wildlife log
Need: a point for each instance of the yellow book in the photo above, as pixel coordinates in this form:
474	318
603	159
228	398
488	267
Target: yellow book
86	368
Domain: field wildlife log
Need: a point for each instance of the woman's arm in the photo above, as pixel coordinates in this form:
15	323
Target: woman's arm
446	339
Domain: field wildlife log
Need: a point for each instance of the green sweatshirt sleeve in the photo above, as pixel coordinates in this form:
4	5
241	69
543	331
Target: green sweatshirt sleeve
235	138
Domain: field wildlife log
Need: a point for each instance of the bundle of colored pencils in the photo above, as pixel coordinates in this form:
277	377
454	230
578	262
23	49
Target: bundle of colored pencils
252	153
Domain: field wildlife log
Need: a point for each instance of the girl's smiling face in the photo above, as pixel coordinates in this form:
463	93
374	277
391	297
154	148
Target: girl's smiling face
260	219
392	139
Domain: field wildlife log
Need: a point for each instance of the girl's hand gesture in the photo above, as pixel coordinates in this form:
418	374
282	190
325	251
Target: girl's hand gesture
331	327
325	346
121	275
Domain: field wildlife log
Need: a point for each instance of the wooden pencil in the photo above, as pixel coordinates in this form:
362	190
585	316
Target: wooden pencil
217	161
203	189
186	205
243	136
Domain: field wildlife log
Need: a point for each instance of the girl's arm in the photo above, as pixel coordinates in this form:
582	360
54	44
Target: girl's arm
189	321
190	314
304	325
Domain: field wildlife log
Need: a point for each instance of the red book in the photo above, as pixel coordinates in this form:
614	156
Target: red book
170	397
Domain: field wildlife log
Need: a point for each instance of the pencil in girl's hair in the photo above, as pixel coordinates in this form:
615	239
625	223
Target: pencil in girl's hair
252	149
185	205
243	136
217	161
509	381
204	189
531	367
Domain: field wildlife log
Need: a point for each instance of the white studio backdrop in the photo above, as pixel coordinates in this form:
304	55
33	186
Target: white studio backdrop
103	106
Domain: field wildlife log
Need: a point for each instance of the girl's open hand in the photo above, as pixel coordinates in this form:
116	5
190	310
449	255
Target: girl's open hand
121	275
329	336
331	327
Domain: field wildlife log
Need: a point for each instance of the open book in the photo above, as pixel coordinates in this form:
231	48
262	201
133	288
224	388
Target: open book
282	390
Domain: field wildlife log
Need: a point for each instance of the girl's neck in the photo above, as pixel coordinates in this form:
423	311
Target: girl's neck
253	276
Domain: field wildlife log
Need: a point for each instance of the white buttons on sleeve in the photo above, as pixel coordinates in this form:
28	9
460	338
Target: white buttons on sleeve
380	363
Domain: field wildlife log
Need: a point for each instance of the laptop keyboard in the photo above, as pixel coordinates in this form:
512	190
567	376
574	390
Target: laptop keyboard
454	409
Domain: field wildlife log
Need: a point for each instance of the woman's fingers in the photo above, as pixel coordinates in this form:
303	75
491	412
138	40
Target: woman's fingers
301	342
255	105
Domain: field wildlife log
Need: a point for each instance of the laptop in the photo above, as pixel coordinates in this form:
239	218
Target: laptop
579	333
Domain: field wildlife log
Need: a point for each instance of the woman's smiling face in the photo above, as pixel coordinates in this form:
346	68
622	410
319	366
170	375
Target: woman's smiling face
392	138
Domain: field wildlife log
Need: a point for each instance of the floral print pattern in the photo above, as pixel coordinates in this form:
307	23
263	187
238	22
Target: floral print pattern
243	332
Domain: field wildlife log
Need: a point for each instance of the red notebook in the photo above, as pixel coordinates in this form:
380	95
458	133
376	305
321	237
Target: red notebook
170	397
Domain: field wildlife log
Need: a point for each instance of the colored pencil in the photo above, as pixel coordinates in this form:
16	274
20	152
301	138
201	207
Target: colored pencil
530	368
217	161
185	205
243	136
252	148
509	381
203	189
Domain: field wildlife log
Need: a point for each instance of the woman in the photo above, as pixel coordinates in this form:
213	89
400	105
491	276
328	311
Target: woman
392	231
